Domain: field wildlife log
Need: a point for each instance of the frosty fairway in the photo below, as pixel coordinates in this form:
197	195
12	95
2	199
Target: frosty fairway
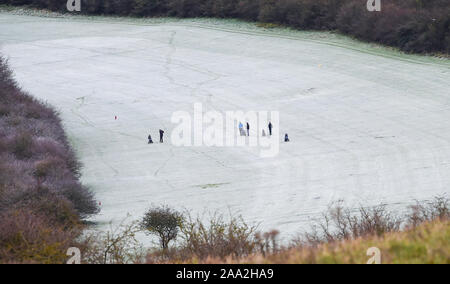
365	124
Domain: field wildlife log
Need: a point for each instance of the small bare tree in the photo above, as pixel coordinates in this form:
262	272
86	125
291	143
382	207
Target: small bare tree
163	222
116	246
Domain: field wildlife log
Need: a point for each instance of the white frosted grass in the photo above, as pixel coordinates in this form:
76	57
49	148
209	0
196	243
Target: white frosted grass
367	124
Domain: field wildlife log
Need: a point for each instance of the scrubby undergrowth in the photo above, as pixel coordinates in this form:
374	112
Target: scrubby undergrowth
341	236
425	244
41	198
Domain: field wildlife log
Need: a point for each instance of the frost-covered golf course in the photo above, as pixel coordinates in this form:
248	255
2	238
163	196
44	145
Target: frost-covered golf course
366	124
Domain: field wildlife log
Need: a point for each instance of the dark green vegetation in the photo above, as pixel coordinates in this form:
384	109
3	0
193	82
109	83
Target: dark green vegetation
419	26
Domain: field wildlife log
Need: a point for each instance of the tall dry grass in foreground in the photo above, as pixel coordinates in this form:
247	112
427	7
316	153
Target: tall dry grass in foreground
427	243
342	235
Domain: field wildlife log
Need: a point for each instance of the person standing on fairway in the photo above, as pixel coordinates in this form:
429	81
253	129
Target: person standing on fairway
161	136
241	129
270	128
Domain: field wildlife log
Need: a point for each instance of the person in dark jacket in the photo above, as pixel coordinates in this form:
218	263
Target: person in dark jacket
270	128
150	141
161	136
248	129
286	138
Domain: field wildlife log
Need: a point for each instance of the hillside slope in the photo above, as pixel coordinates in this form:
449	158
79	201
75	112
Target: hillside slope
42	201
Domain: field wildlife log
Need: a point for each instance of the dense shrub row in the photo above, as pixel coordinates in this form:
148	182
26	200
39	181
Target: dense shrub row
420	26
41	198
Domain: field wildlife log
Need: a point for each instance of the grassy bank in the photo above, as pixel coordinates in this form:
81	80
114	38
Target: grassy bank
342	236
425	244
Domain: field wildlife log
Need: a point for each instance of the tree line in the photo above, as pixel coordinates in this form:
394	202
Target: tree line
416	26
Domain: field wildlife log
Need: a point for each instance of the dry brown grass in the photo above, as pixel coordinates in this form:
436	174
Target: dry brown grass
425	244
342	236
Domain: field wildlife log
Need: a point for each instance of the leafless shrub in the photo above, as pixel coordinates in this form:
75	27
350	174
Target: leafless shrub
220	237
216	236
341	223
267	243
116	246
436	209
